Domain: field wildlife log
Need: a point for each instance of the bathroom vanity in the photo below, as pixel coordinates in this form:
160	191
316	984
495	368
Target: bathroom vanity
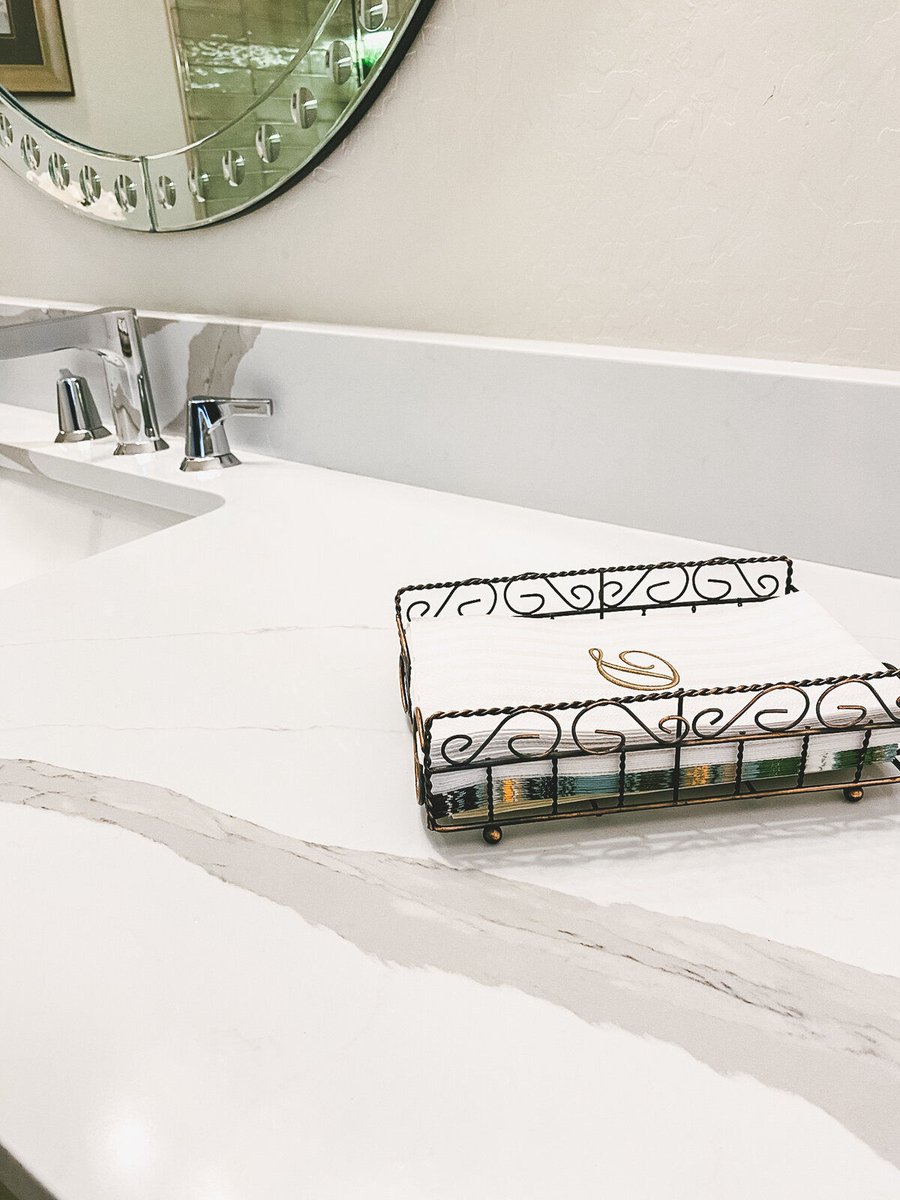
236	963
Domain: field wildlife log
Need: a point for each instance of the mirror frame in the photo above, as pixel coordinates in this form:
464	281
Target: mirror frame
159	193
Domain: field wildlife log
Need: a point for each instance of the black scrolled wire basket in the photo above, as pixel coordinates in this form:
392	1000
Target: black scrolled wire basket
662	749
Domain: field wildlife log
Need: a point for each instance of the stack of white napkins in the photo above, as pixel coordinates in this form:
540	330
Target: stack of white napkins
469	662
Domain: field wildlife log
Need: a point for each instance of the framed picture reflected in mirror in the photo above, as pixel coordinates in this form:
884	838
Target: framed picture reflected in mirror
33	57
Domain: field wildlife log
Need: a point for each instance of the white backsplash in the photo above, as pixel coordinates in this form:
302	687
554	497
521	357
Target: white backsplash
770	456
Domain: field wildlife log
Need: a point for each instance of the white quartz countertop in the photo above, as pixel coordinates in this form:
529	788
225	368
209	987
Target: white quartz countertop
237	966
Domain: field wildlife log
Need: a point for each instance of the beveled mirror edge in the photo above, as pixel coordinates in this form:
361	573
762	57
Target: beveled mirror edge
153	193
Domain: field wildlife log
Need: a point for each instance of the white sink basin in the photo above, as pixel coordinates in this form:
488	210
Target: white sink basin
45	524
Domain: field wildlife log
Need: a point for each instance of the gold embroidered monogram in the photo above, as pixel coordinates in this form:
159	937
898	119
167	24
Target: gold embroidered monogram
627	672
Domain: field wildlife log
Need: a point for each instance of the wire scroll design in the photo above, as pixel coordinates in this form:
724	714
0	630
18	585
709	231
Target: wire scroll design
669	720
602	589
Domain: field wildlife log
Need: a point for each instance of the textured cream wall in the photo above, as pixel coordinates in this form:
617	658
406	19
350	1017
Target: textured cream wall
720	176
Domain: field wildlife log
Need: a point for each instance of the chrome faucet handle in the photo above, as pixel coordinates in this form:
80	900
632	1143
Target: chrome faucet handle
205	439
79	420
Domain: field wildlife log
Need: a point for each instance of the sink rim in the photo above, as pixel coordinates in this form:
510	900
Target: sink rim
107	477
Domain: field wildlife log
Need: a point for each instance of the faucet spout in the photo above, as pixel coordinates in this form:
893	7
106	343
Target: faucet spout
113	334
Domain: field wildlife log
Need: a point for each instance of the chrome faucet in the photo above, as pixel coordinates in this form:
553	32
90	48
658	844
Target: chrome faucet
112	333
205	440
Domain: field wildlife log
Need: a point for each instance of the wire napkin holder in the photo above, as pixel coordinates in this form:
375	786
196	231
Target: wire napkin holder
501	776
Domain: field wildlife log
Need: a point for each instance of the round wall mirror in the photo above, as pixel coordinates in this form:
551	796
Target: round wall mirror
162	115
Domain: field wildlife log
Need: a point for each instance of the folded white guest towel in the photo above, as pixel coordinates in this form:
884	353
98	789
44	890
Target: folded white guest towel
486	662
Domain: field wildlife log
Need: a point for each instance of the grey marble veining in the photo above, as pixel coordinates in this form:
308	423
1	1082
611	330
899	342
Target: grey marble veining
793	1019
215	353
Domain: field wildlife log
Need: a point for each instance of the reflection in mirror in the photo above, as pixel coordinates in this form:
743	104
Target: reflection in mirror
205	106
